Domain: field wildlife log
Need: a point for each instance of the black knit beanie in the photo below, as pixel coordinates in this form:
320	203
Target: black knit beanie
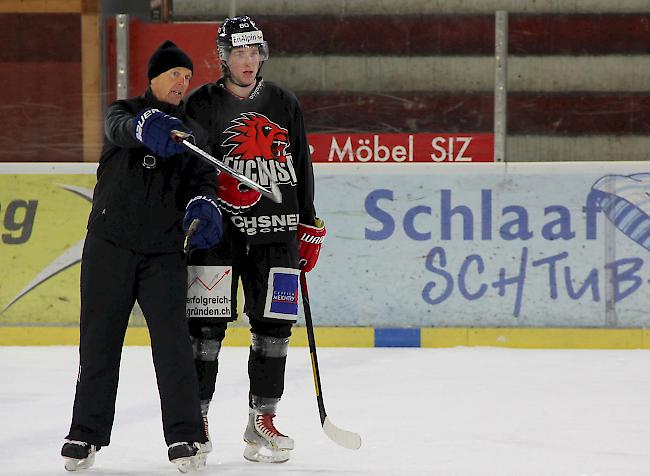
166	57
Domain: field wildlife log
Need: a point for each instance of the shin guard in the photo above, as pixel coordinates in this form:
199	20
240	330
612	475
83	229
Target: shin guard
266	365
206	344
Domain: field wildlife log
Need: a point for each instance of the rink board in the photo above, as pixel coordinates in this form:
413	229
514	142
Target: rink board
483	245
416	255
380	337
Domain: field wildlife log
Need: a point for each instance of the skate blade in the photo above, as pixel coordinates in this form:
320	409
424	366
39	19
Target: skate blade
262	454
202	455
188	464
72	464
201	460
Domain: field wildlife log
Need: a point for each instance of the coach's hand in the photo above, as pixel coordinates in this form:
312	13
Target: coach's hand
154	129
210	228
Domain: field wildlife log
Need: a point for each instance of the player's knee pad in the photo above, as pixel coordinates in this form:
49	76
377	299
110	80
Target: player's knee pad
206	350
206	341
269	346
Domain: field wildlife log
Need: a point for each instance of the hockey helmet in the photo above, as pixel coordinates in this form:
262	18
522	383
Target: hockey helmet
240	31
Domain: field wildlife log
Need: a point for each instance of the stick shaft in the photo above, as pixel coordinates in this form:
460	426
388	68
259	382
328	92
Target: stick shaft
190	233
273	193
345	438
312	347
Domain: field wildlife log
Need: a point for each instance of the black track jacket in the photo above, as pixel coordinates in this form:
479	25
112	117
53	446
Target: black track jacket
142	208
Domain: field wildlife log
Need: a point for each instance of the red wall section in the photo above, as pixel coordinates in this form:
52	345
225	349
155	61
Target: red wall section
528	113
40	37
583	34
195	39
43	118
40	64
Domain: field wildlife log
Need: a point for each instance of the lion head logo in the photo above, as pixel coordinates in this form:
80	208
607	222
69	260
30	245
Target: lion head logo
254	135
250	137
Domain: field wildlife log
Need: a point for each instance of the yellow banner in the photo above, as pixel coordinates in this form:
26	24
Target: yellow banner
43	220
44	210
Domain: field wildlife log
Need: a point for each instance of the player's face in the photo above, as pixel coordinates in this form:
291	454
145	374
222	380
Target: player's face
171	86
244	62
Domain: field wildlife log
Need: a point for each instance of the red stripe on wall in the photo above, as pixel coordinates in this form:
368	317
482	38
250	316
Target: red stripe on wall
40	37
579	114
397	112
45	108
595	34
579	34
564	114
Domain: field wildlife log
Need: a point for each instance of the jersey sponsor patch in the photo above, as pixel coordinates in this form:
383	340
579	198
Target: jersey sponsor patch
282	294
209	292
252	225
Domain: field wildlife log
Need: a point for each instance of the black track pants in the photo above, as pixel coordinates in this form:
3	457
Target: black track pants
112	278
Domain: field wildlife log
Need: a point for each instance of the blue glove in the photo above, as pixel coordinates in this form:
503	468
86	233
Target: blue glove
210	229
153	128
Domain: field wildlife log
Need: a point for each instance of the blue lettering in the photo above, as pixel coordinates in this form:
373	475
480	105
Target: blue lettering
591	210
619	277
380	215
515	224
462	287
486	214
552	270
590	281
517	280
563	222
409	225
446	212
429	287
521	223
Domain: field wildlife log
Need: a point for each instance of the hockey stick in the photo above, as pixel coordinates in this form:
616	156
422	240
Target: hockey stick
347	439
190	233
273	193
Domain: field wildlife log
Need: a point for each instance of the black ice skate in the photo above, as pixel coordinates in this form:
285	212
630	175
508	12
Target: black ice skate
78	454
264	443
184	455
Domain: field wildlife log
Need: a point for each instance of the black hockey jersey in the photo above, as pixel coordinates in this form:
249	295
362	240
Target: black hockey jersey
266	127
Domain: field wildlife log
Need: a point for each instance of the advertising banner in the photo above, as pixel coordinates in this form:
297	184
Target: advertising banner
402	148
43	213
514	245
423	245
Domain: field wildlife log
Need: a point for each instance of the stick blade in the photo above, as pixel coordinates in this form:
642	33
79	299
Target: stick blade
344	438
276	195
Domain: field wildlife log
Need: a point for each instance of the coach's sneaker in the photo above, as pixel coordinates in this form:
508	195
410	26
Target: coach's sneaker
264	443
78	454
184	455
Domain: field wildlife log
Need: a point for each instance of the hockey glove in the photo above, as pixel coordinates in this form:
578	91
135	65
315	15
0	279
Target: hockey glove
210	229
153	128
310	239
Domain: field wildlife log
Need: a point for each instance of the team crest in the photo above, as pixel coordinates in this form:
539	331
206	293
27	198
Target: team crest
250	139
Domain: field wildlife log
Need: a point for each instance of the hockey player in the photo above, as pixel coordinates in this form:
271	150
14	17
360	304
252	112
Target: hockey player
133	251
245	121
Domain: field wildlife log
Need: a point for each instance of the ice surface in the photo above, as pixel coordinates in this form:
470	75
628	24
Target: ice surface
458	412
